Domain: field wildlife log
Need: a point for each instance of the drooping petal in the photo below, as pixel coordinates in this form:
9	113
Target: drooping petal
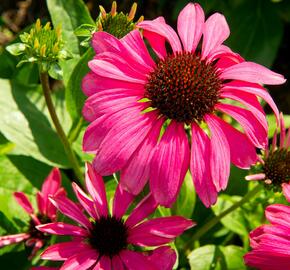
24	202
37	246
103	264
135	260
117	263
158	231
60	228
216	31
163	258
96	187
219	153
255	177
85	201
136	172
252	127
278	214
40	202
190	25
159	27
157	42
12	239
146	207
252	72
286	191
243	153
70	209
81	261
122	200
169	164
63	251
200	166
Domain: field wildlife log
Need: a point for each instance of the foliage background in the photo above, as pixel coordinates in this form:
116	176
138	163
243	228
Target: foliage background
29	146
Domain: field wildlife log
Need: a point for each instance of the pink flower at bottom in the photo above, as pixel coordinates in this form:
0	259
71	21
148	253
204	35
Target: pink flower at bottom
46	213
270	243
133	99
103	240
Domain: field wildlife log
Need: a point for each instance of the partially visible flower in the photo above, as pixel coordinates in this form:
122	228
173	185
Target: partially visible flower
270	243
153	120
115	23
274	166
104	240
46	213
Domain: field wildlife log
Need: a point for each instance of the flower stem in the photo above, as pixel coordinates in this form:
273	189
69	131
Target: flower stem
206	227
67	146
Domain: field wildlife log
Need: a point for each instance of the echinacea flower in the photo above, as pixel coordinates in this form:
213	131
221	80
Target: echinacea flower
46	213
270	243
155	119
104	240
274	165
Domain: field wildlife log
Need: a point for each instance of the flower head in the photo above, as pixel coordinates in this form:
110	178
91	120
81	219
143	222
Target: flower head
105	240
154	119
270	243
274	165
46	213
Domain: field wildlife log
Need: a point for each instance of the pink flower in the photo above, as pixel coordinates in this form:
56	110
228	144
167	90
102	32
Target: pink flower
271	243
46	213
102	240
133	99
275	163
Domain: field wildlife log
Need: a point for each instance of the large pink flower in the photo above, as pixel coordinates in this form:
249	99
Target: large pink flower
271	243
275	162
133	99
46	213
102	240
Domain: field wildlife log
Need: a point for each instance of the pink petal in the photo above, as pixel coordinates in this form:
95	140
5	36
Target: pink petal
63	251
146	207
85	201
122	140
286	191
135	173
190	25
243	153
169	164
70	209
96	187
60	228
44	268
40	202
159	27
258	176
117	263
282	131
163	258
219	153
252	127
252	72
158	231
157	43
81	261
24	202
278	214
200	166
216	31
37	246
12	239
103	264
122	201
136	260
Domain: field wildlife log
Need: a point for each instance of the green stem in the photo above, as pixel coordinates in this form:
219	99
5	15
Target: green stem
206	227
67	146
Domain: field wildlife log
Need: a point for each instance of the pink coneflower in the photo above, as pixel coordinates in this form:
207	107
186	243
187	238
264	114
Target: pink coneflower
133	100
104	240
271	243
274	165
46	213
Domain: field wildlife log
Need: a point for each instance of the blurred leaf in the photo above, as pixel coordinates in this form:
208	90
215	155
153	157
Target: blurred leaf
273	124
234	221
234	257
78	147
74	95
27	127
185	202
256	31
16	48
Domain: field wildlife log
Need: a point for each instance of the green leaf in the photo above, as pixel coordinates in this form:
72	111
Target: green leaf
235	220
16	48
84	30
185	202
74	96
273	124
234	257
55	71
256	31
27	127
70	14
